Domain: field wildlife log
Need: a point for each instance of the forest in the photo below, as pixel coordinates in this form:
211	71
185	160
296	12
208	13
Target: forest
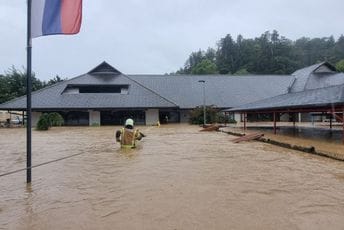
269	53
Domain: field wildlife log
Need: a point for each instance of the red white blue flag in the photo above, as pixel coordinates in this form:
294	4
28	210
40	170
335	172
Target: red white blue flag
50	17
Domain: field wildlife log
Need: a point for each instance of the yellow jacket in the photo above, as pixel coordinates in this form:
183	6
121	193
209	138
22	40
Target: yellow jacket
128	137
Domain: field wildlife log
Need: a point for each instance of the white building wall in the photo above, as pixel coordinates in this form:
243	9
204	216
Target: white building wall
152	116
94	117
184	116
34	118
237	117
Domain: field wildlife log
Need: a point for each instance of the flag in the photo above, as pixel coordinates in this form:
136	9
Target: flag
50	17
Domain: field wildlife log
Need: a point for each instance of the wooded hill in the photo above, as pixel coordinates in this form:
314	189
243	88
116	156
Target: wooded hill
268	54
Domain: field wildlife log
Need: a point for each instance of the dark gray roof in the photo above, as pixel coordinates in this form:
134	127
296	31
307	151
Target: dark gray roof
221	90
185	91
322	97
104	68
316	76
53	97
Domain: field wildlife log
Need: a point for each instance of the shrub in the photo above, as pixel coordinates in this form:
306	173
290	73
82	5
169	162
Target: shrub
55	119
47	120
213	115
43	122
196	115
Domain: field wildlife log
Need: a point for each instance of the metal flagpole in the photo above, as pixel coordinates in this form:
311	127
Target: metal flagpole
28	95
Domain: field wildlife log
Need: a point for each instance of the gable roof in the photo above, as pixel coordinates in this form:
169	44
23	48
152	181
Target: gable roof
104	68
316	76
53	97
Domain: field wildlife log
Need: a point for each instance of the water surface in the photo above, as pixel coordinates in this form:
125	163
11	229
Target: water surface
178	178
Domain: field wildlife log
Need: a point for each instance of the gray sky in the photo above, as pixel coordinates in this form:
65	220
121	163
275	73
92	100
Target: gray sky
156	36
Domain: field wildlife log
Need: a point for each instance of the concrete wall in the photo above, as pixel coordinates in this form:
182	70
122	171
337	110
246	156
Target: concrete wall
34	118
237	117
184	116
152	116
94	117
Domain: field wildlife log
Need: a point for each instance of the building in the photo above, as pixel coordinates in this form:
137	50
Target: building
105	96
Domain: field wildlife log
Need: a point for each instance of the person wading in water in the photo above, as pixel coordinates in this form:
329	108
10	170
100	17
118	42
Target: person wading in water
127	136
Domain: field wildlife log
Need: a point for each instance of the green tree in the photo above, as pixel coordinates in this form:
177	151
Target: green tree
340	65
241	72
268	53
13	84
54	80
226	54
205	67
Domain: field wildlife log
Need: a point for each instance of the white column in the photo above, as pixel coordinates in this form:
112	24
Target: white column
237	117
34	118
152	116
94	118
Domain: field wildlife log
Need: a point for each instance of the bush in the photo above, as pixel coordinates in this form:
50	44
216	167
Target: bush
55	119
196	115
43	122
213	115
47	120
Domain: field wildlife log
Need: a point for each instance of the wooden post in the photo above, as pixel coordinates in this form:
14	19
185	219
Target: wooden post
330	121
274	122
294	118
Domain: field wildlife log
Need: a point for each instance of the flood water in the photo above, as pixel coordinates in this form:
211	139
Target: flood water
315	133
178	178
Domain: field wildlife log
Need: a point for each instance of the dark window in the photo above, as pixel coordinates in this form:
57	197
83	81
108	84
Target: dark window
123	89
100	89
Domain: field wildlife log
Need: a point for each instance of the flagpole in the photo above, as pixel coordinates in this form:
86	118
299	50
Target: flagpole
28	94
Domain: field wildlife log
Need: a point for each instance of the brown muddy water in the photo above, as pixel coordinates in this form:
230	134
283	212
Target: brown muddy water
179	178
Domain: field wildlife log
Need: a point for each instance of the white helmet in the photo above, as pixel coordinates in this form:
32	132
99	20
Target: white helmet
129	122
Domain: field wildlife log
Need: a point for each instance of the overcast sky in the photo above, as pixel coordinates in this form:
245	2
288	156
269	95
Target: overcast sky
156	36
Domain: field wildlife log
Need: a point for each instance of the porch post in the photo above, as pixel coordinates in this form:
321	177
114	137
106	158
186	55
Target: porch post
275	123
244	122
294	118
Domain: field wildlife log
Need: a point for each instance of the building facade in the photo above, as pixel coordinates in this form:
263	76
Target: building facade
105	96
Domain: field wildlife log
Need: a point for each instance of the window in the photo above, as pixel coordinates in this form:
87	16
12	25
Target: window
75	89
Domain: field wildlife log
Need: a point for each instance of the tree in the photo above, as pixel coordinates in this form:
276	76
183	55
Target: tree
55	80
225	56
269	53
13	84
205	67
340	66
241	72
